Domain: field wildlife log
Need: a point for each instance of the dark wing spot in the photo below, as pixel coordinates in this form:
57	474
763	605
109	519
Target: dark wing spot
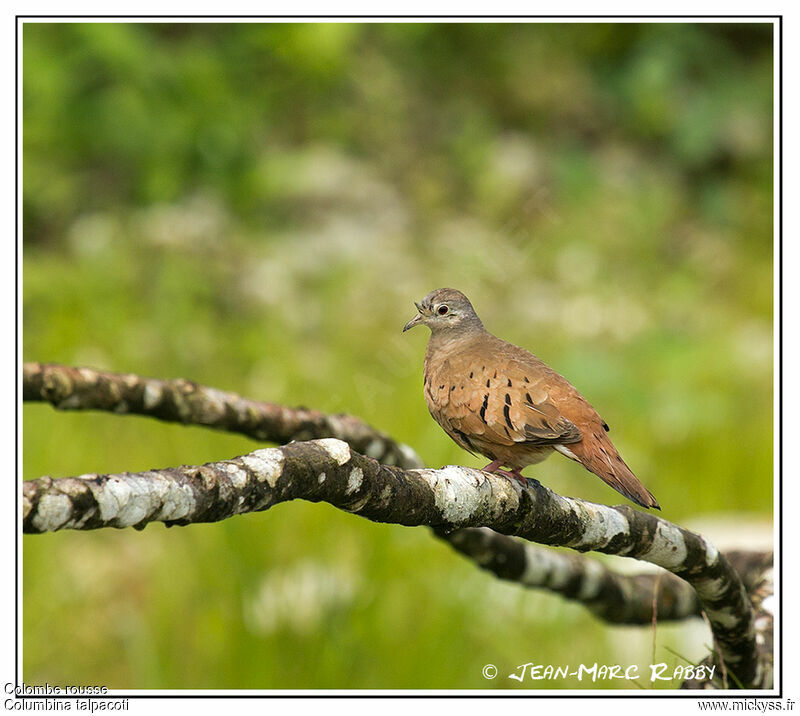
509	383
487	382
508	399
464	437
605	427
530	400
495	374
452	388
483	408
507	417
441	387
470	374
526	379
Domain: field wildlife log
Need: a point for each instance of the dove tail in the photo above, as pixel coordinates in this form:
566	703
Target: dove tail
602	458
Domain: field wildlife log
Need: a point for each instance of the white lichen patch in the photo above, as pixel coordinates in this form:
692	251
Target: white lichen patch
410	455
544	568
711	552
178	502
711	589
89	375
725	617
214	404
337	449
337	427
537	567
686	601
322	477
668	549
358	505
238	476
266	464
53	511
111	497
592	579
768	605
126	500
558	573
374	449
354	480
602	524
458	492
152	394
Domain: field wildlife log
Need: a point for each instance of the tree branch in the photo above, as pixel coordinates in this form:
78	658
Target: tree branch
762	591
616	598
453	497
182	401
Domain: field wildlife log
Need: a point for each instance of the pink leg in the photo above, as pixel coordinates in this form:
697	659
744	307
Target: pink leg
494	467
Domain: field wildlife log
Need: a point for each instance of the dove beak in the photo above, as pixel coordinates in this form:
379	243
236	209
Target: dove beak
414	321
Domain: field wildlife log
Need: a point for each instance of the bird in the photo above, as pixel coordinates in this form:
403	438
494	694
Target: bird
497	399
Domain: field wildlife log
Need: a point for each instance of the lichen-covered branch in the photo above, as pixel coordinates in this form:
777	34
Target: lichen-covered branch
616	598
751	568
759	576
182	401
453	497
186	402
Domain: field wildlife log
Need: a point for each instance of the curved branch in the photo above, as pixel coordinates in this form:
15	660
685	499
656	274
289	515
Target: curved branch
616	598
183	401
453	497
762	591
84	388
612	596
751	566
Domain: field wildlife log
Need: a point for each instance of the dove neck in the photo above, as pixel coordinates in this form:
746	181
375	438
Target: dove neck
447	339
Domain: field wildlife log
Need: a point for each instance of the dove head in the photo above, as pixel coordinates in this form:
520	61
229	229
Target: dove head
446	311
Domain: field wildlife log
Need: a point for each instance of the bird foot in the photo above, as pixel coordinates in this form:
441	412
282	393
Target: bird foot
494	468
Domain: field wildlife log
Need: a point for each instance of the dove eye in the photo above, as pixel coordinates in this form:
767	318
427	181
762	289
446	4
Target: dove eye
442	310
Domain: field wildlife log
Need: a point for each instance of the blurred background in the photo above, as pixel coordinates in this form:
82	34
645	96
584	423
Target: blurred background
256	206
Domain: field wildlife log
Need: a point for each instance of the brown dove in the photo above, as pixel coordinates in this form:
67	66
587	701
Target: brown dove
494	398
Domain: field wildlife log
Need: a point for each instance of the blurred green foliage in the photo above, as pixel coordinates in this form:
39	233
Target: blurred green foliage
255	206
